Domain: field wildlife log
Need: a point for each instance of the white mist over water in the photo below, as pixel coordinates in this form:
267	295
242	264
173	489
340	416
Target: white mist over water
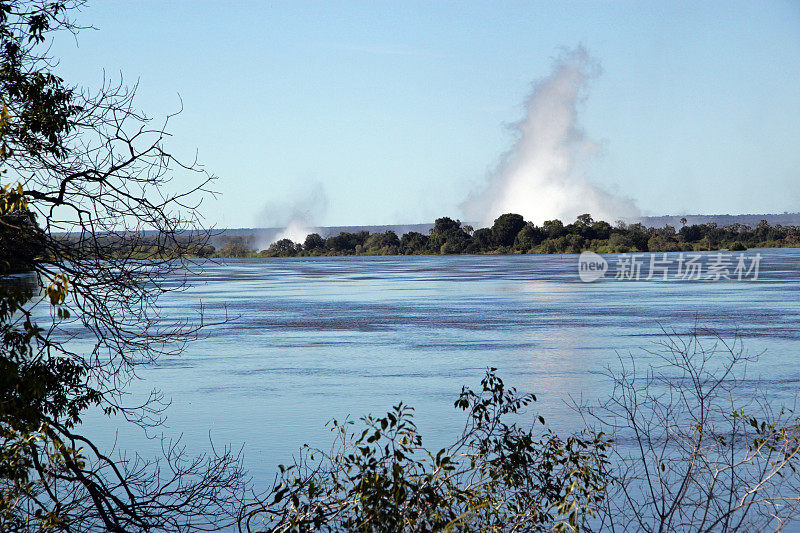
296	231
298	217
544	176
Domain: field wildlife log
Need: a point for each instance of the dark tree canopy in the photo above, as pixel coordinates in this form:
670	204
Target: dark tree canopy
283	248
21	240
484	238
413	242
528	237
445	225
448	237
553	228
506	227
313	241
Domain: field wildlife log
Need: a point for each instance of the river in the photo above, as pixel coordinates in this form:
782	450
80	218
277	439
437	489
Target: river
304	340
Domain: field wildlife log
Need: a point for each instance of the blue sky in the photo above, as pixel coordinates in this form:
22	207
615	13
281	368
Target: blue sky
397	110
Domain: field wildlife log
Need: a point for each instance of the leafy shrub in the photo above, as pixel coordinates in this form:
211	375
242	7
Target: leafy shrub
497	476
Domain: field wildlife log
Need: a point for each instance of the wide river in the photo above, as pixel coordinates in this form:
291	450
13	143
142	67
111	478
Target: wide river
305	340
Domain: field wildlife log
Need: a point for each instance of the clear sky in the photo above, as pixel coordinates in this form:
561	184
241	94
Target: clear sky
392	112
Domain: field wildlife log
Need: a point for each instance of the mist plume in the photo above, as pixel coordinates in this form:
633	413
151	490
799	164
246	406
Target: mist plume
294	219
543	176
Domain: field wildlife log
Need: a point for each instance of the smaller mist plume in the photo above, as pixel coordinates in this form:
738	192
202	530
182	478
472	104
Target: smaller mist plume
543	176
296	219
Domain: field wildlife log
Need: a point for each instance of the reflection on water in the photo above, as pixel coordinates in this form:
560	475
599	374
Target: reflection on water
309	339
20	288
24	281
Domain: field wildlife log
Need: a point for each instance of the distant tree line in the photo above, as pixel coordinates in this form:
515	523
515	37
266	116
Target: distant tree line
510	233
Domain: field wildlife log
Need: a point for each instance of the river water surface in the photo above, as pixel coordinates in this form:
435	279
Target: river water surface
304	340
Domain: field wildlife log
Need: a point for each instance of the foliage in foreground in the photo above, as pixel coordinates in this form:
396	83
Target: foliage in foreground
689	443
497	476
706	448
710	456
76	326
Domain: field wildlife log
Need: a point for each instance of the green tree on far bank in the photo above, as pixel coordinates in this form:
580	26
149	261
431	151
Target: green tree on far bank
511	234
506	227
